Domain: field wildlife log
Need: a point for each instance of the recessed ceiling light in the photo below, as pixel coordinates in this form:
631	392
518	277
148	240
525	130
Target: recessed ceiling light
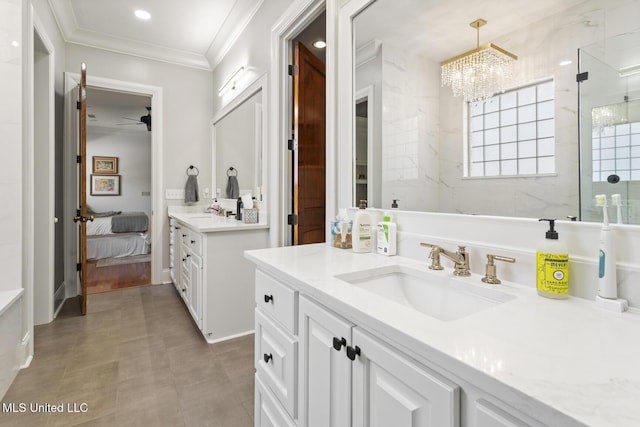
142	14
319	44
567	62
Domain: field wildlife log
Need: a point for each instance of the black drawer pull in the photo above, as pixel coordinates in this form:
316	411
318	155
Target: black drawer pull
184	235
353	352
338	343
268	298
193	241
267	357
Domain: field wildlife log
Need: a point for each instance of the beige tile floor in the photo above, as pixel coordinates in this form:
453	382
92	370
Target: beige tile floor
136	359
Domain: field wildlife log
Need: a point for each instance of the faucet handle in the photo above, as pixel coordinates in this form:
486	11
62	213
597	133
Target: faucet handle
490	269
434	256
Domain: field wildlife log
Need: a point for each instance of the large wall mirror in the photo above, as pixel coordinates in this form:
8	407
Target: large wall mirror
239	134
413	141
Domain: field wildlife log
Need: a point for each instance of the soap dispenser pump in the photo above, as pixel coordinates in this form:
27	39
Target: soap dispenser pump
552	265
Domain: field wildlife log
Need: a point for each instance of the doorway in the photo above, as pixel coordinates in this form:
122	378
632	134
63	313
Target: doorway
48	292
308	129
71	179
118	151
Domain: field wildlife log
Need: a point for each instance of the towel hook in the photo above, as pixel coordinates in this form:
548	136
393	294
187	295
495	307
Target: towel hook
191	167
232	170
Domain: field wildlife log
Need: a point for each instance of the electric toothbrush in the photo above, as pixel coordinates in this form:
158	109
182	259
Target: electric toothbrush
616	200
607	280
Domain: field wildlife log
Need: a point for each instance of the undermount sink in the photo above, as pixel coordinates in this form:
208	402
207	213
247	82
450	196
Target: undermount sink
436	295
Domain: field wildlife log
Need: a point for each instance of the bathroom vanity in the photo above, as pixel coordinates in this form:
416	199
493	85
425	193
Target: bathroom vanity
335	347
209	271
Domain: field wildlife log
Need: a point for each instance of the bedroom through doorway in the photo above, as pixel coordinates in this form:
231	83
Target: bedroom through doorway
119	181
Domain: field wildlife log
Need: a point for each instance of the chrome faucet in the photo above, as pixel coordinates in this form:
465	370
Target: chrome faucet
460	259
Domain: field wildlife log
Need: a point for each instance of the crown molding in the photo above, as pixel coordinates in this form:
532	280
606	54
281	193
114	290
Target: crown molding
139	49
65	18
242	13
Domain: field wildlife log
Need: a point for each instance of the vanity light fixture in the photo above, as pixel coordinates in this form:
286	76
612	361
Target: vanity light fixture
231	83
319	44
142	14
479	73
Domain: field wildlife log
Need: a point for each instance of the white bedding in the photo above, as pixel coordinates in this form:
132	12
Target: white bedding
117	245
99	226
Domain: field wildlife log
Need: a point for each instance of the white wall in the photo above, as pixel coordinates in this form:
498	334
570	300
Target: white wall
187	112
133	150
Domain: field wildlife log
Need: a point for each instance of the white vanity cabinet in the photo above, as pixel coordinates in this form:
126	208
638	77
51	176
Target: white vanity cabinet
209	271
316	366
349	378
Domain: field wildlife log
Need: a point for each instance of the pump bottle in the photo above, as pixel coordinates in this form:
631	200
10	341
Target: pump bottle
552	265
361	232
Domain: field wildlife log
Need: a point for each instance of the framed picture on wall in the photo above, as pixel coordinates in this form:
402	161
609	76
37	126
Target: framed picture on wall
105	185
105	165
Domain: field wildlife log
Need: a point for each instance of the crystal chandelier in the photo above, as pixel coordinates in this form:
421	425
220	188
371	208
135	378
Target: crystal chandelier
479	73
609	115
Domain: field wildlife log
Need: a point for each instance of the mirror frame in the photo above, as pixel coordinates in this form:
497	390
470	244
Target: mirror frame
259	85
345	108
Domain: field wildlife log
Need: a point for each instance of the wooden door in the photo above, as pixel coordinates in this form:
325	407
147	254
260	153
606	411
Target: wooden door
309	159
81	208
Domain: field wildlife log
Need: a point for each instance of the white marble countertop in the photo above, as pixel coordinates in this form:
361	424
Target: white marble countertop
208	222
579	361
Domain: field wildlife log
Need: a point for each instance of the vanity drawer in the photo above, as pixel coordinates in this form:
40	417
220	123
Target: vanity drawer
195	243
277	300
267	411
277	361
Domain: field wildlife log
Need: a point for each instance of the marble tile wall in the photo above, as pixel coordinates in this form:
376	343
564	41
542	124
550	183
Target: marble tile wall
11	137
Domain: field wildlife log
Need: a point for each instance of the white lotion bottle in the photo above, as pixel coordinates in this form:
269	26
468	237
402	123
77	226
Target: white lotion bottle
361	230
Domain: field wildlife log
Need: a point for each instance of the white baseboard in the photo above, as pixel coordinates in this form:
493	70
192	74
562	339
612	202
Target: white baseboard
229	337
166	276
23	352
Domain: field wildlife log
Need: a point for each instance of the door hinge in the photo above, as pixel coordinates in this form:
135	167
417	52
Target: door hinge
78	159
78	267
580	77
293	70
292	144
78	104
292	219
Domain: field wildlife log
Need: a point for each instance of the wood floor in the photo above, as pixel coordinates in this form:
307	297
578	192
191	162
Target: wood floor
136	359
117	277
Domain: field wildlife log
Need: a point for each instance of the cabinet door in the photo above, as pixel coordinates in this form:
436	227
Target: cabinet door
389	389
195	290
325	370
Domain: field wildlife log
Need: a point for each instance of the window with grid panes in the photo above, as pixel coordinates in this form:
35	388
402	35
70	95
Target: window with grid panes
512	134
616	151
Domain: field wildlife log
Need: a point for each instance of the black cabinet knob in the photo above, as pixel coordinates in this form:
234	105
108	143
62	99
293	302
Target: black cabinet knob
353	352
268	298
267	357
193	241
338	343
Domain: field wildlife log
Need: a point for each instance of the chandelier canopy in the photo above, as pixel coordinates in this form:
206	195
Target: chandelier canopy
479	73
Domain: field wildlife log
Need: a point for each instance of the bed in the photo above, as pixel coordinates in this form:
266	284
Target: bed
117	234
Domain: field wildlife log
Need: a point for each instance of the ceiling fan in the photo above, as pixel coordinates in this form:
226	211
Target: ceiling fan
146	120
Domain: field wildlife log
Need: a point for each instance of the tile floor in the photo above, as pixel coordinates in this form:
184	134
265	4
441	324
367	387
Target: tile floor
136	359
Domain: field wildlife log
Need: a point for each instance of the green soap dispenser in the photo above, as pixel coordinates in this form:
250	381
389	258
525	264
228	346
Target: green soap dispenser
552	265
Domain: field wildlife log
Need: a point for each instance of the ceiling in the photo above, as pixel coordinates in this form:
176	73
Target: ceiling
194	33
118	111
442	28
